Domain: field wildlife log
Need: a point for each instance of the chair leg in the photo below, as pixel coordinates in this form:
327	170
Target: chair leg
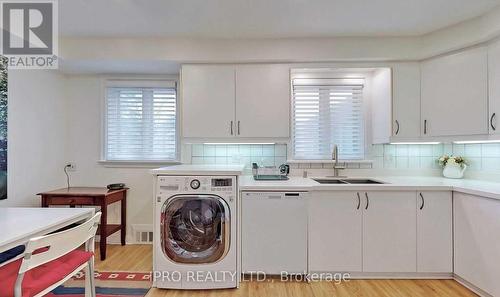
89	279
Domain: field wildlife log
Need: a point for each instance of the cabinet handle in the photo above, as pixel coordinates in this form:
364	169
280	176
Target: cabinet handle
231	128
238	127
423	201
359	201
491	121
425	126
397	129
367	200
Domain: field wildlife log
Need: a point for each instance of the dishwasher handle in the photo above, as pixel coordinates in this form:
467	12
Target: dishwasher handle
274	195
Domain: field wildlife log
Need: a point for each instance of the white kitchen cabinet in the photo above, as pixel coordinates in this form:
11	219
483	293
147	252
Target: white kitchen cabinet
274	232
389	231
477	241
406	101
208	101
434	232
235	101
335	232
494	88
454	94
262	100
381	98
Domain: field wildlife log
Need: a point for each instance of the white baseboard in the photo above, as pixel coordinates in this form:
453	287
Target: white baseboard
393	275
471	287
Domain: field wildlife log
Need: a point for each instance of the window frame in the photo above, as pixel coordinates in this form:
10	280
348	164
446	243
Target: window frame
334	74
149	80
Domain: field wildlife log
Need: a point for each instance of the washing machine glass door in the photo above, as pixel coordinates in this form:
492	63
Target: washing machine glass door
195	228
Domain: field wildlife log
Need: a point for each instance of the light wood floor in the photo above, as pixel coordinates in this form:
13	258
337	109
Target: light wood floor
139	258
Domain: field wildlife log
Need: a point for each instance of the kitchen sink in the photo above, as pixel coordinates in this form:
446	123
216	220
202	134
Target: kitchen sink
330	181
362	181
347	181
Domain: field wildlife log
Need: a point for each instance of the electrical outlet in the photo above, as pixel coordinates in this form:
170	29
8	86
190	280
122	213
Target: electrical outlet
71	166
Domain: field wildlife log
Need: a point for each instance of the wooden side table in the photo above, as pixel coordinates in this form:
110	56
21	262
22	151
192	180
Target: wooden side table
95	197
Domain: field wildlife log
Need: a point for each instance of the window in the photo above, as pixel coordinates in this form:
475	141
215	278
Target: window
141	121
328	112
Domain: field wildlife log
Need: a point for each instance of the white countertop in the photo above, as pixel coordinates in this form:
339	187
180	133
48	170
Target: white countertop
192	169
468	186
19	224
294	183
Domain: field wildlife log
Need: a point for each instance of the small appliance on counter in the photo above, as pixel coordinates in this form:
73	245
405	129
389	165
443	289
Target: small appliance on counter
270	172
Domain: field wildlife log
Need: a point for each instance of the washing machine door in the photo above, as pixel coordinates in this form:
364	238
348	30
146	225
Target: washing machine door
195	228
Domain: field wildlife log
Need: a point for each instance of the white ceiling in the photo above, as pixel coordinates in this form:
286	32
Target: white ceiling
263	18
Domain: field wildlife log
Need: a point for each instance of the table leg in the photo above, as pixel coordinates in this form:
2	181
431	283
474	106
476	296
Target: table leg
103	230
123	231
45	202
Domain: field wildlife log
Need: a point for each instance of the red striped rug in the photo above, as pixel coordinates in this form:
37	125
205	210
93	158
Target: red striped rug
108	284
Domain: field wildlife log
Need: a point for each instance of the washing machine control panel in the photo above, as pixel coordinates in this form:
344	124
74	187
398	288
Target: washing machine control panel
168	184
206	184
224	186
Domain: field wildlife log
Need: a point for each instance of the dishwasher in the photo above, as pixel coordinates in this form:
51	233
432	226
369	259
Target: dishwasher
274	232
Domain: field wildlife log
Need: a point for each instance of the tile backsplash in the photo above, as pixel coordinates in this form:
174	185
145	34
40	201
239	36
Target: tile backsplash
480	157
485	157
263	154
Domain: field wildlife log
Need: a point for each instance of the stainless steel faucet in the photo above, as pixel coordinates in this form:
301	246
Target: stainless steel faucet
335	158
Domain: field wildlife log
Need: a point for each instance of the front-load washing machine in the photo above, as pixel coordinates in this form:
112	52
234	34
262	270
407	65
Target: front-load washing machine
195	240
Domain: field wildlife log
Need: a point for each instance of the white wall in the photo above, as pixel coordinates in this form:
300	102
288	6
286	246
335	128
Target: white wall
36	135
84	149
185	50
54	119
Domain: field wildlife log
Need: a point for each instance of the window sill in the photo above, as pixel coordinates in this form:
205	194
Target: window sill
136	164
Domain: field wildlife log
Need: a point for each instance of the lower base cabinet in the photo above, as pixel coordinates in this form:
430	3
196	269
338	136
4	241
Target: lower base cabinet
389	231
434	232
380	231
335	232
477	241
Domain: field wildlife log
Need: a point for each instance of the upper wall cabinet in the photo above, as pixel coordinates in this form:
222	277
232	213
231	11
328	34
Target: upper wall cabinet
208	101
381	96
406	101
454	94
262	100
227	101
494	88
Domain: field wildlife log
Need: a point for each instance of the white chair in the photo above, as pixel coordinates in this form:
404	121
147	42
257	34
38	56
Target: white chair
51	260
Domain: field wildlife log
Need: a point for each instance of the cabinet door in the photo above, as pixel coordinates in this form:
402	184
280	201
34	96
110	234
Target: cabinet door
381	99
454	94
274	232
477	241
406	100
389	231
335	234
262	101
434	232
494	88
208	101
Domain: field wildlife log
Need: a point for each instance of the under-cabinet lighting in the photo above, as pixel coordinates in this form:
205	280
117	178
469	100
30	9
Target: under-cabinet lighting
476	141
237	143
415	142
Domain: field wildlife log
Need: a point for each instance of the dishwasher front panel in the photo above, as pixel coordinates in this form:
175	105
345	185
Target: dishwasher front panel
274	232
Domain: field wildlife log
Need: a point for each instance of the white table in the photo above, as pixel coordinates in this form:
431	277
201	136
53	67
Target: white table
18	225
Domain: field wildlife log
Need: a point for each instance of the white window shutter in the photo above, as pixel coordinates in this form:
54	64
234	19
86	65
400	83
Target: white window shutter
328	112
141	123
